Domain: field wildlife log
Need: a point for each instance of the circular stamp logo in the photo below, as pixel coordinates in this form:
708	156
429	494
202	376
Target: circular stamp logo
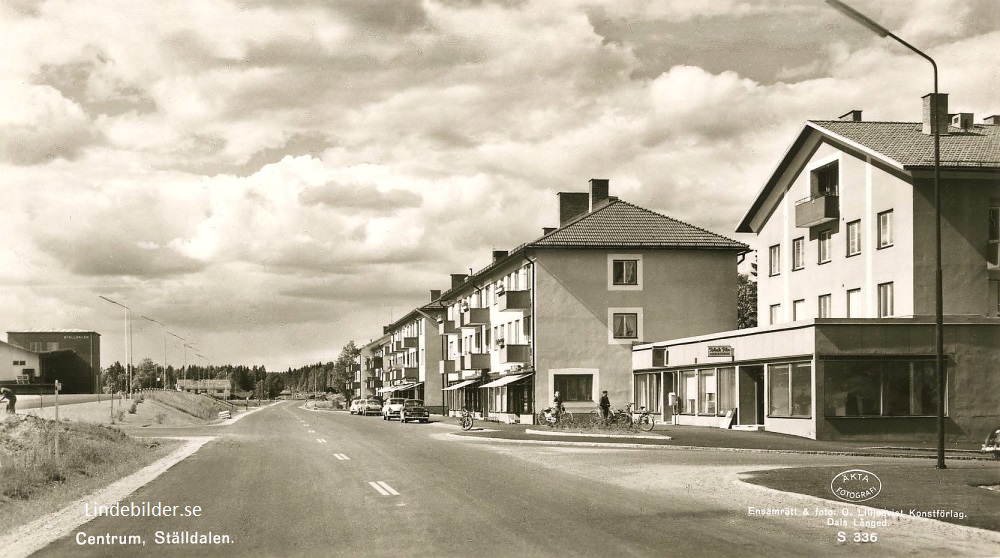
856	485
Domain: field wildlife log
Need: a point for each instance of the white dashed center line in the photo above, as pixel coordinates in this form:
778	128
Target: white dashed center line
383	488
341	457
321	440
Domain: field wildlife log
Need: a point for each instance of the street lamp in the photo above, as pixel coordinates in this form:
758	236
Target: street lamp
938	289
128	338
164	373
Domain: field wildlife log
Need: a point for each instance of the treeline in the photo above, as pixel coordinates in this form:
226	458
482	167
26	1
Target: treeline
253	381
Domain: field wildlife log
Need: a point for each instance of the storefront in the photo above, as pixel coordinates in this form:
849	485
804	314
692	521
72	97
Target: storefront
871	379
508	399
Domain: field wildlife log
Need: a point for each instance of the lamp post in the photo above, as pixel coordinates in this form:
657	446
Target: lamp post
164	373
938	288
185	353
128	338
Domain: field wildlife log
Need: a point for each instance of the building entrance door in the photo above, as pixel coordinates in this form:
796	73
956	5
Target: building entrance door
751	397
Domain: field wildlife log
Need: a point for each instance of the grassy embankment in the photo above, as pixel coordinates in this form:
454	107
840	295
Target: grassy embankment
199	406
44	464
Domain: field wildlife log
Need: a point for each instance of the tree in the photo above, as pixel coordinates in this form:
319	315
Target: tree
746	302
144	375
113	377
343	369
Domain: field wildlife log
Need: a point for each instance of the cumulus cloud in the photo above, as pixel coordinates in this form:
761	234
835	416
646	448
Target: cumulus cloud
38	124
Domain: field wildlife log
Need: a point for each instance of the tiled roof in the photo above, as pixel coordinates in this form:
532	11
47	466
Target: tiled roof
622	224
905	143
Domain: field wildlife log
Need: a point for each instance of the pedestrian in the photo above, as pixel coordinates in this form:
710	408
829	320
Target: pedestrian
605	405
10	398
557	406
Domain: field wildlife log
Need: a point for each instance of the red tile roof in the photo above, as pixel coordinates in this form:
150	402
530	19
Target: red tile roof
905	143
621	224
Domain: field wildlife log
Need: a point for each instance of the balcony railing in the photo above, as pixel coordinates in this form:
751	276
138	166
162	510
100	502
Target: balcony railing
810	212
447	327
446	366
512	301
472	317
514	353
474	361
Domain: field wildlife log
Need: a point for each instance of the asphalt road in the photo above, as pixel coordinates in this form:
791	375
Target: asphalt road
289	482
36	401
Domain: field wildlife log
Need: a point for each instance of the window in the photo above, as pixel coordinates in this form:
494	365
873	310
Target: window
885	229
36	346
727	389
687	392
798	310
824	246
993	245
884	300
647	392
854	238
880	388
790	390
624	272
825	180
624	325
854	303
774	253
574	387
706	389
824	303
774	317
798	253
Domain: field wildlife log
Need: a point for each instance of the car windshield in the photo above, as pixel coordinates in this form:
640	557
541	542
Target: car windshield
396	401
413	403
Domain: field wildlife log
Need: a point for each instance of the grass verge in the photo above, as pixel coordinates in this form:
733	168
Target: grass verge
198	406
45	465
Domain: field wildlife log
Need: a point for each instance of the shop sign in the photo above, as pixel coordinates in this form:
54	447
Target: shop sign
720	351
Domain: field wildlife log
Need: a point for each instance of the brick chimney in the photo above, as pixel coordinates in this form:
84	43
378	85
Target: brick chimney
942	114
598	192
992	120
458	278
962	120
851	116
572	205
499	255
435	294
548	230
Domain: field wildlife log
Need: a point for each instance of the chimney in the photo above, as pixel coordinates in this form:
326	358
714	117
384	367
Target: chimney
572	205
435	294
499	255
962	120
851	116
942	113
458	278
598	192
993	120
548	230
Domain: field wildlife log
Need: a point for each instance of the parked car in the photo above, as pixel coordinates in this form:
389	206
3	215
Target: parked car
355	407
371	406
392	407
413	409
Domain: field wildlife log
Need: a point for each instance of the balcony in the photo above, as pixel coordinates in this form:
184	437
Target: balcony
447	327
373	383
475	361
514	301
514	353
446	366
810	212
473	317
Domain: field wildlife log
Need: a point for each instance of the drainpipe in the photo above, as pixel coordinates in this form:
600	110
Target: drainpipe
534	333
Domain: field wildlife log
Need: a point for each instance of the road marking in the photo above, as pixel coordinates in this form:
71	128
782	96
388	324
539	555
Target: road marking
321	440
304	424
341	457
312	432
383	488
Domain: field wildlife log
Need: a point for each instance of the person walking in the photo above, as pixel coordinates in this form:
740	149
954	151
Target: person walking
10	398
557	406
605	405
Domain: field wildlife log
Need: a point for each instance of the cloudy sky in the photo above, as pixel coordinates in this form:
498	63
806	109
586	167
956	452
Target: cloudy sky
272	178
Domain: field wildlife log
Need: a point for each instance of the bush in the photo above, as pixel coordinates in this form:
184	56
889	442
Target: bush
132	408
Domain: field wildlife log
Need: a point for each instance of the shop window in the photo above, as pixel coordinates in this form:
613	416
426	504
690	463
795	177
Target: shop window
790	390
574	387
707	393
825	304
687	392
823	246
885	301
798	253
885	229
880	388
726	378
854	238
774	259
647	392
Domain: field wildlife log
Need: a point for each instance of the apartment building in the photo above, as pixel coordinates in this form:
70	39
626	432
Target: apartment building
845	233
410	354
562	312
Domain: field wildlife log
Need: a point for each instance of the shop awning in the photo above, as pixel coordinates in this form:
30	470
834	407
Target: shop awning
400	387
504	381
460	385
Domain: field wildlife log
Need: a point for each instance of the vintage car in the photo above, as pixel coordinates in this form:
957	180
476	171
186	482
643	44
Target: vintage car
392	407
413	409
355	407
371	406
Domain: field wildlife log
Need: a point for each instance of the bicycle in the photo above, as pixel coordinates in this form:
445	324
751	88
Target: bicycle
465	419
644	420
992	444
554	419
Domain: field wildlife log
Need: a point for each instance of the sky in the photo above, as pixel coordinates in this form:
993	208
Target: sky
269	179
